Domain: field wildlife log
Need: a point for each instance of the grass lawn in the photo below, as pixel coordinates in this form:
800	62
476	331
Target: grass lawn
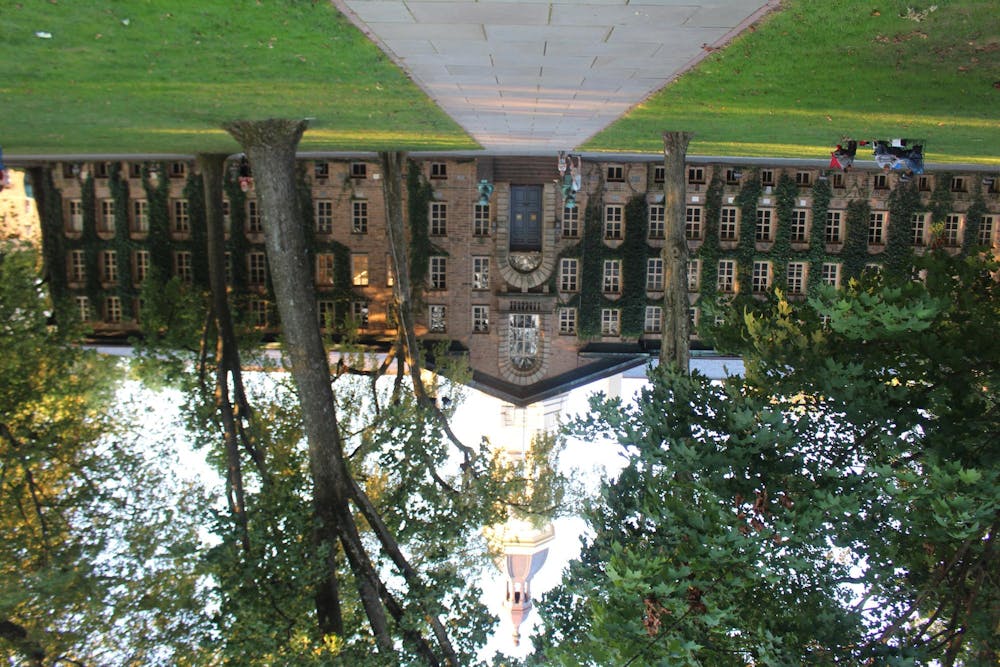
159	76
818	70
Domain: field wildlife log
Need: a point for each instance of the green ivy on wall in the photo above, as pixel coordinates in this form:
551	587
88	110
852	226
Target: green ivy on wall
854	253
343	291
904	201
158	211
194	192
592	269
634	253
122	241
54	241
420	194
973	221
821	195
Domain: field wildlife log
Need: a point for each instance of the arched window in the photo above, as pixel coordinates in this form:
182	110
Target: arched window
523	335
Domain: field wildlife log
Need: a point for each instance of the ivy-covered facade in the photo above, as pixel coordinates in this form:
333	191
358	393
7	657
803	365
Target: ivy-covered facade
539	296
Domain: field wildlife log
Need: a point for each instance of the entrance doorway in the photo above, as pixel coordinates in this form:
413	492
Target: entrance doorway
525	218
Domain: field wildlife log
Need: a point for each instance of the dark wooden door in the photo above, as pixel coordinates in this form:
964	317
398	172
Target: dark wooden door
526	217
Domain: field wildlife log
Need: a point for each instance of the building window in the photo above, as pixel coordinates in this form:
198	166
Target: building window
135	170
799	231
439	170
830	274
569	274
178	170
696	175
760	281
767	177
140	216
256	268
227	217
986	226
258	311
567	321
654	320
324	216
692	223
324	269
359	217
918	225
952	230
924	183
611	322
182	265
958	184
796	277
616	173
612	276
327	312
181	222
881	182
727	276
321	170
693	274
438	322
101	170
803	179
693	318
763	233
837	181
480	319
439	272
359	170
654	274
113	310
571	222
876	228
140	266
75	215
729	223
657	224
873	268
109	266
359	270
439	219
733	176
613	222
253	217
481	220
659	174
83	308
480	273
834	224
359	313
106	223
77	266
523	331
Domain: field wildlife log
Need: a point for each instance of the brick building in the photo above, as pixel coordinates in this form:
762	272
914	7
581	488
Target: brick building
541	298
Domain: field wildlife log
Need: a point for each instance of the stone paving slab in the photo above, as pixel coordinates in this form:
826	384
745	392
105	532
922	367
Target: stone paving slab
537	75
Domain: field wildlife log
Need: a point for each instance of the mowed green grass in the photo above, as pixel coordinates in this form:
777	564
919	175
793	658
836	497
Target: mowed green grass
137	76
821	69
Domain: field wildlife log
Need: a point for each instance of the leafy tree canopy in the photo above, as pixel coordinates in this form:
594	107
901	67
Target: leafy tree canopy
95	563
838	505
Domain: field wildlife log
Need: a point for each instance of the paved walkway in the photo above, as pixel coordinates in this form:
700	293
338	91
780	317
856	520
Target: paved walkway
523	76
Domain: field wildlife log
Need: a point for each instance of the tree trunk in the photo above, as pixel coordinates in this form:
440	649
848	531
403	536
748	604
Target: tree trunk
270	146
227	357
674	348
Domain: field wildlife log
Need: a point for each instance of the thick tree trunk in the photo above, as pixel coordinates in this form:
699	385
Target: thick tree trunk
270	146
675	346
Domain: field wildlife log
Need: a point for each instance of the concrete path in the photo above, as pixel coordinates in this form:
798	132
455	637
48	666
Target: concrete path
535	76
